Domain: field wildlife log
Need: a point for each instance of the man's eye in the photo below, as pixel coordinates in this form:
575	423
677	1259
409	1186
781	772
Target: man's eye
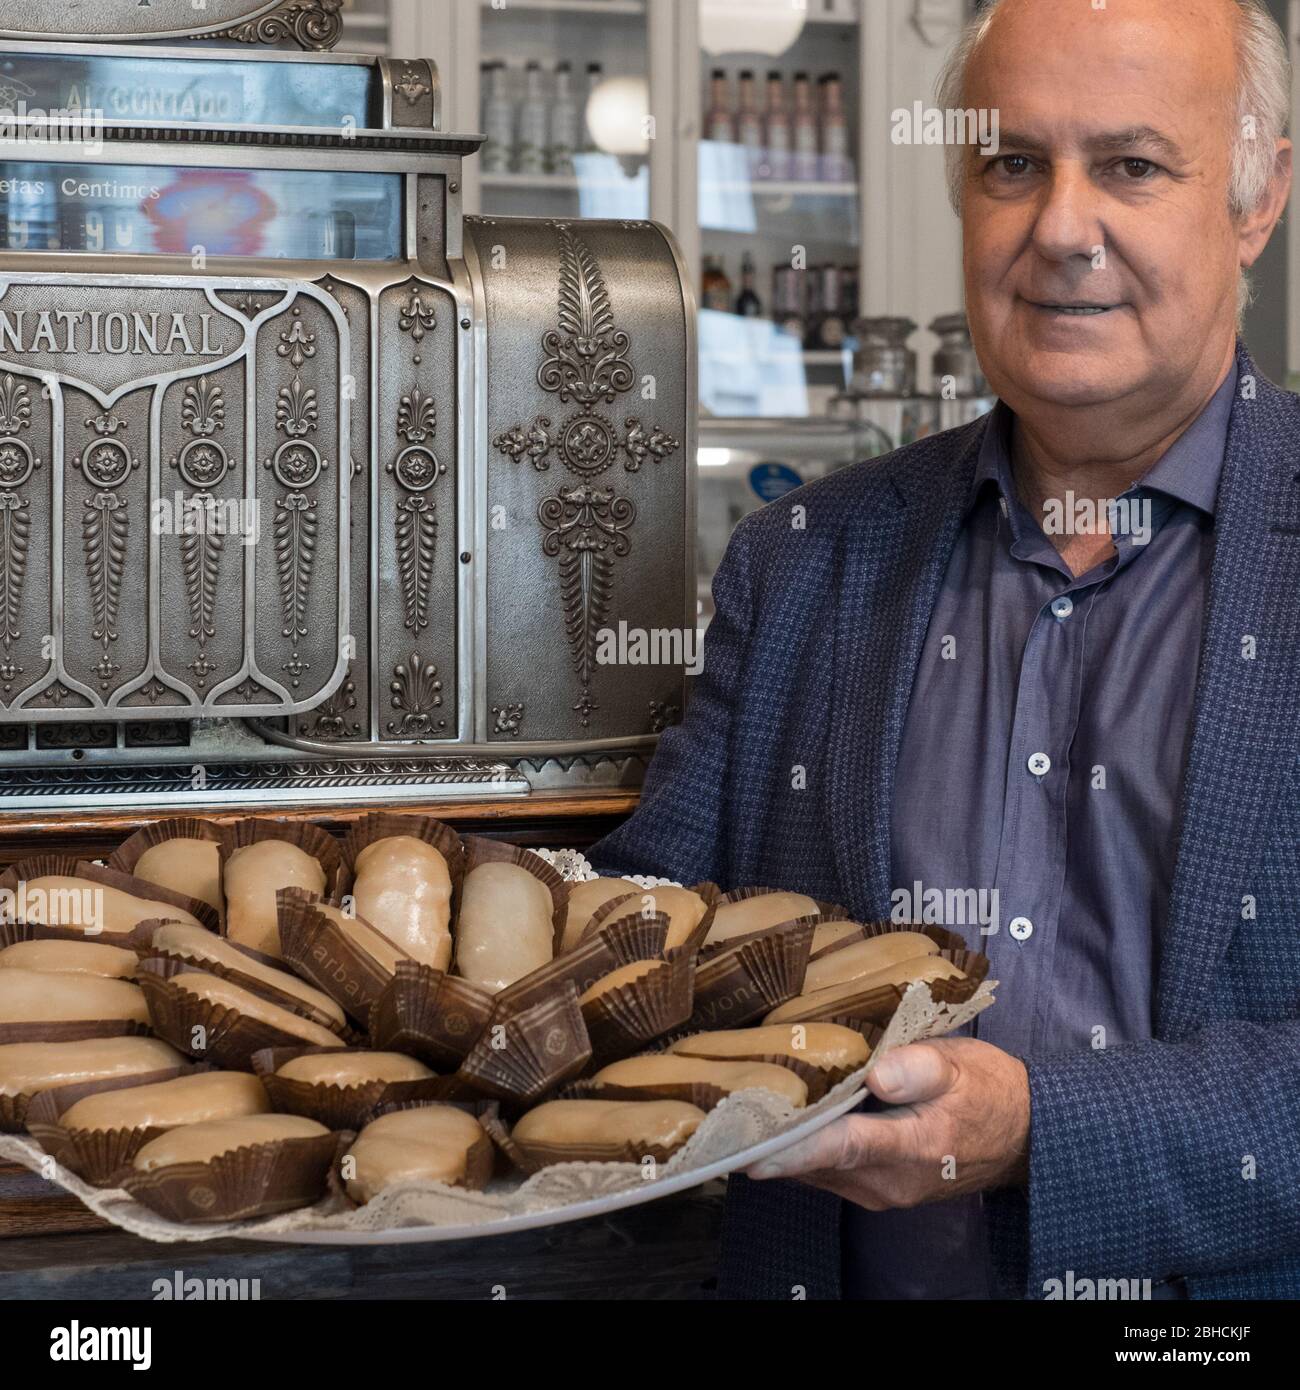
1013	165
1137	169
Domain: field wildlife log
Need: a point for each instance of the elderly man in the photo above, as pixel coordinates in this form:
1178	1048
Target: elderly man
1055	654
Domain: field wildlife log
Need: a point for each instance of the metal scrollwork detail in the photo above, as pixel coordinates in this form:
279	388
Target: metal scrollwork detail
416	317
587	528
417	533
311	24
587	362
412	86
330	722
416	693
17	463
105	527
507	720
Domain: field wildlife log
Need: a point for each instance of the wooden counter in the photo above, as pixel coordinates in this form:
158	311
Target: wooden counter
665	1250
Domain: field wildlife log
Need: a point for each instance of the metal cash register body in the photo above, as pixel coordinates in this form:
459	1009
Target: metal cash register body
311	486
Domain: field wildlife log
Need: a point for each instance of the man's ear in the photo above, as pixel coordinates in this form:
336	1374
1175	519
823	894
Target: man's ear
1255	230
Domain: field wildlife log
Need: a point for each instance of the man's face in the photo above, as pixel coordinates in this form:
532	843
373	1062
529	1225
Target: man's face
1101	256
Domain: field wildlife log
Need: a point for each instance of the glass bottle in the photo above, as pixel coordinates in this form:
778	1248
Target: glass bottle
719	125
533	121
836	165
749	123
748	304
777	129
806	162
564	122
498	120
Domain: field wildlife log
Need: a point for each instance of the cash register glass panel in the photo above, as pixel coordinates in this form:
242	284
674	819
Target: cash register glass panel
118	87
293	214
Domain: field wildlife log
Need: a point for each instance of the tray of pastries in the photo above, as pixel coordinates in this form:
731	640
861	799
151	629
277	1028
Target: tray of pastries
256	1029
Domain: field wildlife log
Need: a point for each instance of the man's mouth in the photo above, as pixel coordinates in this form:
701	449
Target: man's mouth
1073	310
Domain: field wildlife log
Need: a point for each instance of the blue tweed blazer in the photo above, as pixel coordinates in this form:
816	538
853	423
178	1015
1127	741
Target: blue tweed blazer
1178	1156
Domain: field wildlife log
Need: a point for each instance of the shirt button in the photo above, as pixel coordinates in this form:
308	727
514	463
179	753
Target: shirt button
1040	764
1062	608
1021	928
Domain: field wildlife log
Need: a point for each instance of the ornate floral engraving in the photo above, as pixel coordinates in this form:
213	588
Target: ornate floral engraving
416	693
586	361
309	23
413	85
507	719
17	463
587	528
105	526
330	722
417	318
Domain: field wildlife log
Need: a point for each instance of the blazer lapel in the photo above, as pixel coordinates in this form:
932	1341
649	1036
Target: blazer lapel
890	567
1246	733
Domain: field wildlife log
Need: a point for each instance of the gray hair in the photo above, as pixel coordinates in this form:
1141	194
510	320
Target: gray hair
1263	102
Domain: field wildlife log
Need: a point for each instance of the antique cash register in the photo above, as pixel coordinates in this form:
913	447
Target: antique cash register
313	489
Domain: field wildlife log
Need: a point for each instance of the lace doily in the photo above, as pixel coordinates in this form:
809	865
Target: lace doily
733	1128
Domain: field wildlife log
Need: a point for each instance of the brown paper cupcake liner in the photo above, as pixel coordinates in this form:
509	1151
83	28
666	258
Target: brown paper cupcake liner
70	1030
311	839
877	1005
320	951
625	1019
847	940
338	1107
532	1158
201	1029
615	943
619	907
480	850
742	982
14	933
269	992
701	1094
523	1055
96	1155
432	1015
258	1180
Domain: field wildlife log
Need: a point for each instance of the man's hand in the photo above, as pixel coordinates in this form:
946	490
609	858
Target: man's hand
959	1122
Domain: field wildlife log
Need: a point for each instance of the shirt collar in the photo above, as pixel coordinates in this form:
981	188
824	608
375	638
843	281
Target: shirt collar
1188	472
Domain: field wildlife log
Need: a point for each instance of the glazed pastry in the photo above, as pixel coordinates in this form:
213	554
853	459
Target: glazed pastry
505	929
231	996
353	1068
756	914
184	1100
668	1069
71	958
903	974
196	944
432	1143
202	1143
827	1045
624	975
29	1068
866	958
612	1124
403	886
185	865
586	897
684	910
37	996
253	875
57	900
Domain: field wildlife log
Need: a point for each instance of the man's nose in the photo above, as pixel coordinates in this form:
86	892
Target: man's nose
1068	222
